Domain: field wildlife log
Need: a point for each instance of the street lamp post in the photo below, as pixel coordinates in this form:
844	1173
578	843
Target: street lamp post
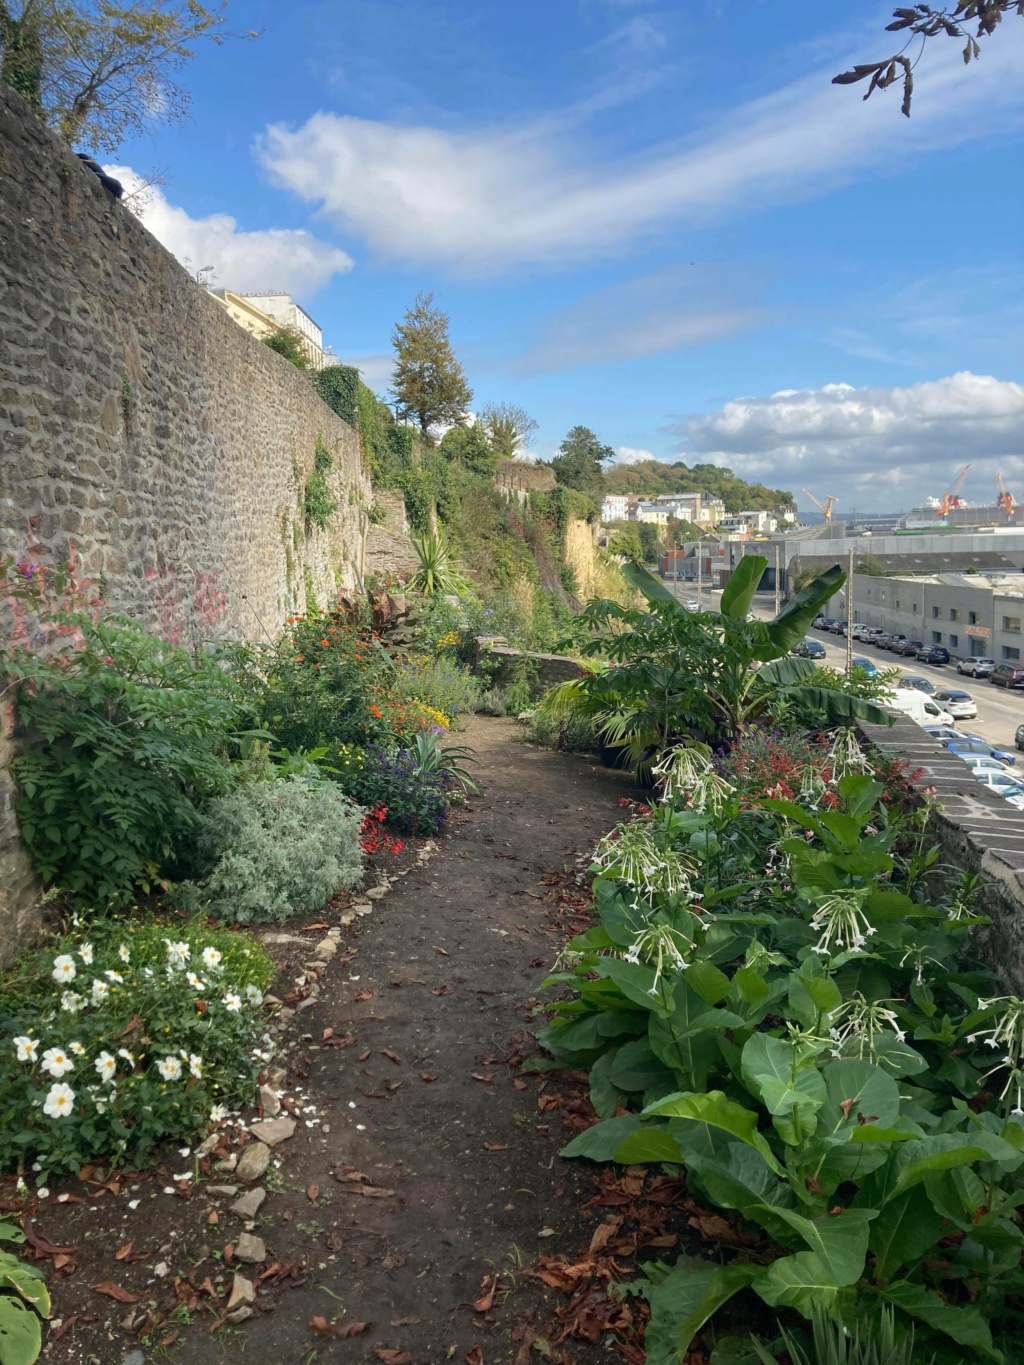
700	577
850	616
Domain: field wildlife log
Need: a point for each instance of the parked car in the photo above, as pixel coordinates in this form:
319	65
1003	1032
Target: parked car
911	648
1018	738
976	668
872	633
1007	675
917	706
981	763
896	643
974	744
818	623
881	640
1003	784
942	732
915	680
865	665
810	649
960	705
858	630
933	654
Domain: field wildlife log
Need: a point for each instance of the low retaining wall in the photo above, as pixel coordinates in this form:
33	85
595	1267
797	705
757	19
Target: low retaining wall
545	670
977	832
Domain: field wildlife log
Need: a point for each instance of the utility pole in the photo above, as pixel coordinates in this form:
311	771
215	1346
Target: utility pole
700	577
778	602
851	616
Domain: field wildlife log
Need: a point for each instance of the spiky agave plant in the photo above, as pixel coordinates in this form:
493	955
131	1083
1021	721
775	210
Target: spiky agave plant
871	1341
430	757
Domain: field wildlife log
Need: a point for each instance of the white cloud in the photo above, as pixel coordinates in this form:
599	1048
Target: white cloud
485	200
680	305
376	370
270	258
631	455
871	444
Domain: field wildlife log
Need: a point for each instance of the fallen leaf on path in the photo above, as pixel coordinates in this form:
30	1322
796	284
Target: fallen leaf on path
519	1085
546	1232
124	1252
442	990
392	1085
404	1322
327	1033
363	1056
213	1218
603	1234
427	1076
391	1056
352	1329
474	1356
312	1193
371	1191
114	1291
441	952
170	1338
485	1302
365	994
65	1327
40	1244
497	1146
321	1325
486	1076
320	924
393	1357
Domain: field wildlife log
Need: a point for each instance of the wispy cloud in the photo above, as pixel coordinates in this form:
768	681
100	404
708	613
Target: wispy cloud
631	455
268	258
490	199
869	444
680	305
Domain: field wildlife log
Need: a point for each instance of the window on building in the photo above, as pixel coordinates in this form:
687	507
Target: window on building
1011	624
914	609
954	642
972	618
954	614
936	614
936	637
1011	652
897	604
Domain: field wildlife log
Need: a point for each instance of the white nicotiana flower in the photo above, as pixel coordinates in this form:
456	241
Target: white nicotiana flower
64	969
72	1002
100	991
124	953
1006	1032
686	773
631	854
218	1114
254	995
86	954
662	948
841	922
106	1066
59	1101
857	1024
845	754
27	1048
211	959
195	1065
170	1069
57	1062
177	953
232	1002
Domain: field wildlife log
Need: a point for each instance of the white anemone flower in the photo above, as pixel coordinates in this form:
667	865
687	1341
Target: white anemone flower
170	1069
106	1066
86	954
64	969
218	1113
177	953
232	1002
72	1002
195	981
254	995
195	1065
211	959
27	1048
116	977
57	1062
77	1049
124	953
59	1101
100	991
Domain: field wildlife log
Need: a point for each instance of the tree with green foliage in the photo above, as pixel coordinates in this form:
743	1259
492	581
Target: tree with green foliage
470	447
429	384
509	427
579	461
648	478
100	72
921	22
870	565
288	342
625	540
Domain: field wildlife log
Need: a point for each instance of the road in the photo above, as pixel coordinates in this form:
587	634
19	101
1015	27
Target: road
1000	711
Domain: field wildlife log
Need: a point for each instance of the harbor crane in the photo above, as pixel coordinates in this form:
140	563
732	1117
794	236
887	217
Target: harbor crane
952	498
826	506
1005	500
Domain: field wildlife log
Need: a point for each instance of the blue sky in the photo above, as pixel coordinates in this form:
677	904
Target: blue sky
660	221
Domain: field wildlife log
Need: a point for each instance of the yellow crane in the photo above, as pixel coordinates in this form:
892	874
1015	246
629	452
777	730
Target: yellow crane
1005	500
826	506
953	499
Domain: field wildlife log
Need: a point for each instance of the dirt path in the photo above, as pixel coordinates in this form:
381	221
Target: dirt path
442	981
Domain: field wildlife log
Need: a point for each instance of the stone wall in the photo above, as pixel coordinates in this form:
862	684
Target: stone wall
145	433
977	832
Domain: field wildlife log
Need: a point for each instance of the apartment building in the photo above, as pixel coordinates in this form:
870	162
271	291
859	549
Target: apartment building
260	314
972	615
615	507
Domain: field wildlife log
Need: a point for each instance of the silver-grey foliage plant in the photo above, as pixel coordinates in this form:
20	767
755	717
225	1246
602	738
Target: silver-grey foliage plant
277	849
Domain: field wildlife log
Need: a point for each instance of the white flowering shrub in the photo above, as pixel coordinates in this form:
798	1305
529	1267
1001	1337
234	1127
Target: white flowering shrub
124	1036
277	849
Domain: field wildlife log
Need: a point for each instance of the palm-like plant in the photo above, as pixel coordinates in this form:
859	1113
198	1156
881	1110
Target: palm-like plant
430	757
437	573
672	672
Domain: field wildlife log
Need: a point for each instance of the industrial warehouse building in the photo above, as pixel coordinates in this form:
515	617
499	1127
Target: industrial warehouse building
973	615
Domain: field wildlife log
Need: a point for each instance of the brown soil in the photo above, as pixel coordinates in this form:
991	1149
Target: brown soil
423	1099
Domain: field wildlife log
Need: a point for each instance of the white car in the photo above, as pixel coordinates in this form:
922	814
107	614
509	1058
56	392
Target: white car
982	763
1005	785
960	705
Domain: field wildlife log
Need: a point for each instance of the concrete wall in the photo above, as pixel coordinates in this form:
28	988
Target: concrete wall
144	431
967	617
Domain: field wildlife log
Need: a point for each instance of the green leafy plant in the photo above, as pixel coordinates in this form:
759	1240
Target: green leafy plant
121	736
24	1304
430	756
437	573
873	1341
118	1038
338	386
276	849
289	343
318	503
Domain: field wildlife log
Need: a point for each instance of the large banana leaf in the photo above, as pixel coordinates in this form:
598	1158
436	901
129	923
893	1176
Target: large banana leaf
652	588
739	592
793	621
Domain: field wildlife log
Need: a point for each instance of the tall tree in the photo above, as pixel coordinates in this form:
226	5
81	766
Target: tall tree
102	71
579	461
509	426
469	446
429	383
924	22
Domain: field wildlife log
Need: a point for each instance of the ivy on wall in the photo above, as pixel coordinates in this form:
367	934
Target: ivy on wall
318	504
338	386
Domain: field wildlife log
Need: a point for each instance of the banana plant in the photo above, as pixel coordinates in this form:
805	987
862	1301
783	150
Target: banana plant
24	1304
673	672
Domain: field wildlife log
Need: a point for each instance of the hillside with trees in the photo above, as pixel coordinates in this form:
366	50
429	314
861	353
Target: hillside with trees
651	477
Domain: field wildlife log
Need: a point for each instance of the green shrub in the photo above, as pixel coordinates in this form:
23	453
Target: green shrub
440	683
121	737
120	1037
277	849
571	734
338	386
319	505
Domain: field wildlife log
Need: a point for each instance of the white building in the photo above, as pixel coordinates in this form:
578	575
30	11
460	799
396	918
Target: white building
651	512
615	507
282	309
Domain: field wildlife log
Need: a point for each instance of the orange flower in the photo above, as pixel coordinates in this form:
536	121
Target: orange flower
326	644
374	710
299	658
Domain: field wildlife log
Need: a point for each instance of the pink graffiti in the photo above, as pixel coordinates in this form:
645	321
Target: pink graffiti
41	597
208	599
